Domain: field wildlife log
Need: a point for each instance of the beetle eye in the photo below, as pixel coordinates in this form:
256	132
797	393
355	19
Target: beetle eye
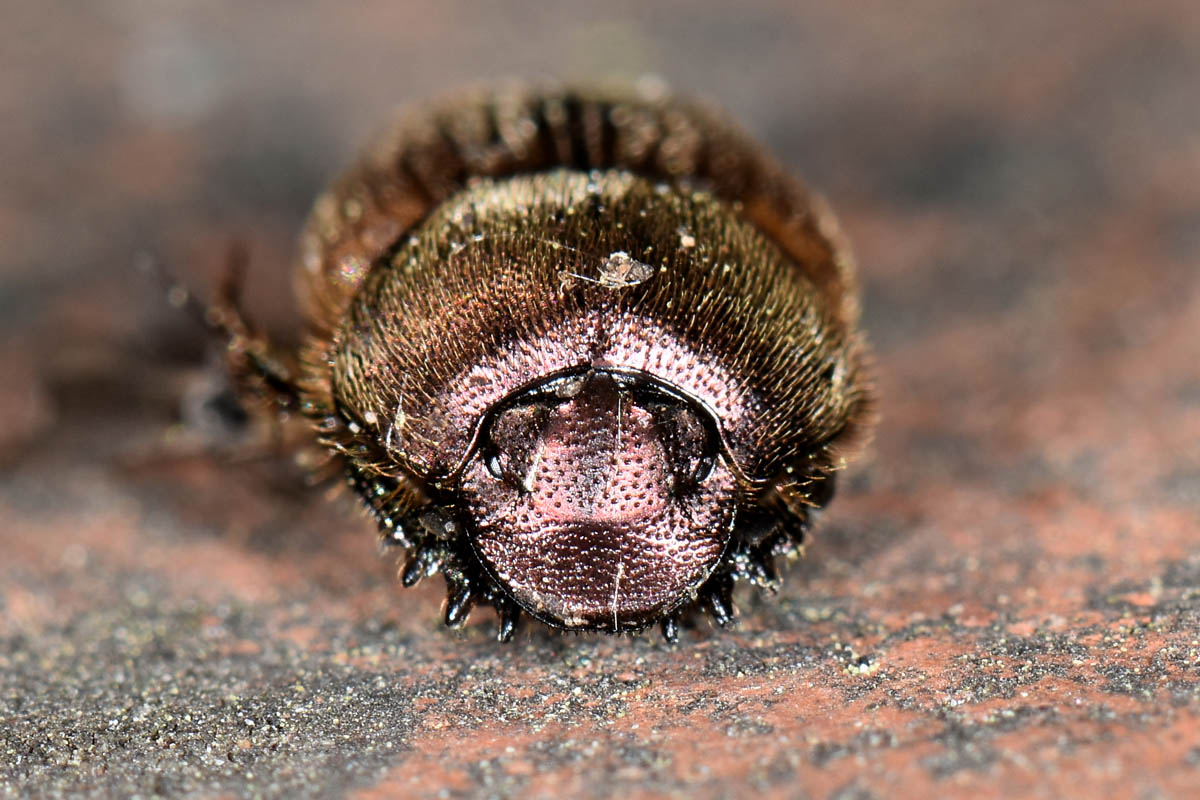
512	442
704	468
689	446
494	466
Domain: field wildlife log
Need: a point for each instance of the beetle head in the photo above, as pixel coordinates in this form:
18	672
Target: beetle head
599	501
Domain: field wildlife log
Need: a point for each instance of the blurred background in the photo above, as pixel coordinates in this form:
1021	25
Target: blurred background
968	146
1003	600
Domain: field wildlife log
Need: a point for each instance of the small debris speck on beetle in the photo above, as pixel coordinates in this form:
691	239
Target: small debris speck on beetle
620	270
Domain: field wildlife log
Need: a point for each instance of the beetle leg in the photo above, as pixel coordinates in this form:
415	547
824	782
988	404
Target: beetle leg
460	599
757	565
252	361
422	562
719	599
509	614
792	502
394	502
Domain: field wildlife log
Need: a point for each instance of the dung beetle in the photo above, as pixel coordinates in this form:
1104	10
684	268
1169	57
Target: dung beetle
591	354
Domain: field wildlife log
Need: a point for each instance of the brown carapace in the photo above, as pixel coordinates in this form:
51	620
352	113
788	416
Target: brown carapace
590	354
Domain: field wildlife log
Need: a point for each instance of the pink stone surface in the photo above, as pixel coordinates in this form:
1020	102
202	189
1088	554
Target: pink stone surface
1003	601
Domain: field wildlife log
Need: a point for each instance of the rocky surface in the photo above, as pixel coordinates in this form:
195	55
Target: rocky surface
1004	600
